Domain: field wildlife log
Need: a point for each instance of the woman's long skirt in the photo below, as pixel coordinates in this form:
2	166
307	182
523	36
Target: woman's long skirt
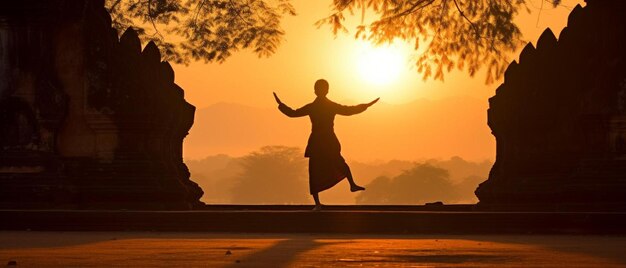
325	172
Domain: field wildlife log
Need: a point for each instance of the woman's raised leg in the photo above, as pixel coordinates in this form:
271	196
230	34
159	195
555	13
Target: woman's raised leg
353	186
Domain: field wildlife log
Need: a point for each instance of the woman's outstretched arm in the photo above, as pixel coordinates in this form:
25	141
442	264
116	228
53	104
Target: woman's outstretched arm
350	110
304	111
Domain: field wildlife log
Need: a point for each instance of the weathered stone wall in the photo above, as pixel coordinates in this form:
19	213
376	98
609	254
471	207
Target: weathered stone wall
87	120
559	118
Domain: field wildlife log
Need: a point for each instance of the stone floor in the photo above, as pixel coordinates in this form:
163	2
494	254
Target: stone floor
162	249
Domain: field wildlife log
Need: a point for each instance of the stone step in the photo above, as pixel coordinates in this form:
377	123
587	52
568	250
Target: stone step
307	221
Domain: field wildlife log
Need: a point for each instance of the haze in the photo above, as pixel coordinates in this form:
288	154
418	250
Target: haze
415	120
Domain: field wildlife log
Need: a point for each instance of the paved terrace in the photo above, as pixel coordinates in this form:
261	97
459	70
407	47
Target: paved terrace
199	249
294	236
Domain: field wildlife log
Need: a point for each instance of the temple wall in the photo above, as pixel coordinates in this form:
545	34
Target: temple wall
87	119
559	116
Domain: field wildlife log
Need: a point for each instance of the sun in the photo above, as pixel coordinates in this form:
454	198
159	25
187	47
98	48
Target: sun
380	65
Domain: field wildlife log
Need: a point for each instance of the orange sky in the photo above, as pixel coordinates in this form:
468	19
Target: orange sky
308	54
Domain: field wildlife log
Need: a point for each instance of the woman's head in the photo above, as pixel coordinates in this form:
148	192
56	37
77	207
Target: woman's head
321	88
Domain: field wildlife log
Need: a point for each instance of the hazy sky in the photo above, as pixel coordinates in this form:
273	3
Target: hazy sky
309	53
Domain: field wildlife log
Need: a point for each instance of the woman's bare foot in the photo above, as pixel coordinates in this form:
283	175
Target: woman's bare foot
317	207
356	188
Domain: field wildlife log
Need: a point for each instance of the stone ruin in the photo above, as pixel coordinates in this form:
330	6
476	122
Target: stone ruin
87	120
559	119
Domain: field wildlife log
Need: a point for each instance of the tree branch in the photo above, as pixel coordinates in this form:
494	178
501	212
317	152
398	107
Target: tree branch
415	6
112	8
156	30
238	12
341	9
195	17
467	19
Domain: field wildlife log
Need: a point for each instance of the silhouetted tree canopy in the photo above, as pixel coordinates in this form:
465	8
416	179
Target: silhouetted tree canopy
272	175
208	30
418	185
466	34
463	34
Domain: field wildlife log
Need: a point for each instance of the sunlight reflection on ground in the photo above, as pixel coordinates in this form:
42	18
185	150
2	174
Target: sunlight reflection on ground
140	249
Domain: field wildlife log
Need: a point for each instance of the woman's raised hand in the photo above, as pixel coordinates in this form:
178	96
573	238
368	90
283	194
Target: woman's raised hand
372	102
277	99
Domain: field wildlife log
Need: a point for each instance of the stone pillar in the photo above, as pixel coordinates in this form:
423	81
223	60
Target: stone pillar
558	119
87	120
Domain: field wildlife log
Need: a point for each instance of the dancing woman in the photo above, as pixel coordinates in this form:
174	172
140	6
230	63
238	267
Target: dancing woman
326	165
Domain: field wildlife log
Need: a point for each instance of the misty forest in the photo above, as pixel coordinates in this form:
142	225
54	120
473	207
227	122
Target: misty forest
278	175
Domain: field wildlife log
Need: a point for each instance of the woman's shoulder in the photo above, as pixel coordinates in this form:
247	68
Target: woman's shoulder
326	101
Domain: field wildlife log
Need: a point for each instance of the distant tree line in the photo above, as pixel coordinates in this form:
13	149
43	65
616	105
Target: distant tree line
278	175
423	183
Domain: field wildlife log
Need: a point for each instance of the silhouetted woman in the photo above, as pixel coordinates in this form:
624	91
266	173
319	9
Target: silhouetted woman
326	165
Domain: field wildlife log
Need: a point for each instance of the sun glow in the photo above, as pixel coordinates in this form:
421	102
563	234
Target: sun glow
380	65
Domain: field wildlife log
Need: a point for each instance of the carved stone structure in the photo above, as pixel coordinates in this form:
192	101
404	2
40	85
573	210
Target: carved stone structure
559	118
87	120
